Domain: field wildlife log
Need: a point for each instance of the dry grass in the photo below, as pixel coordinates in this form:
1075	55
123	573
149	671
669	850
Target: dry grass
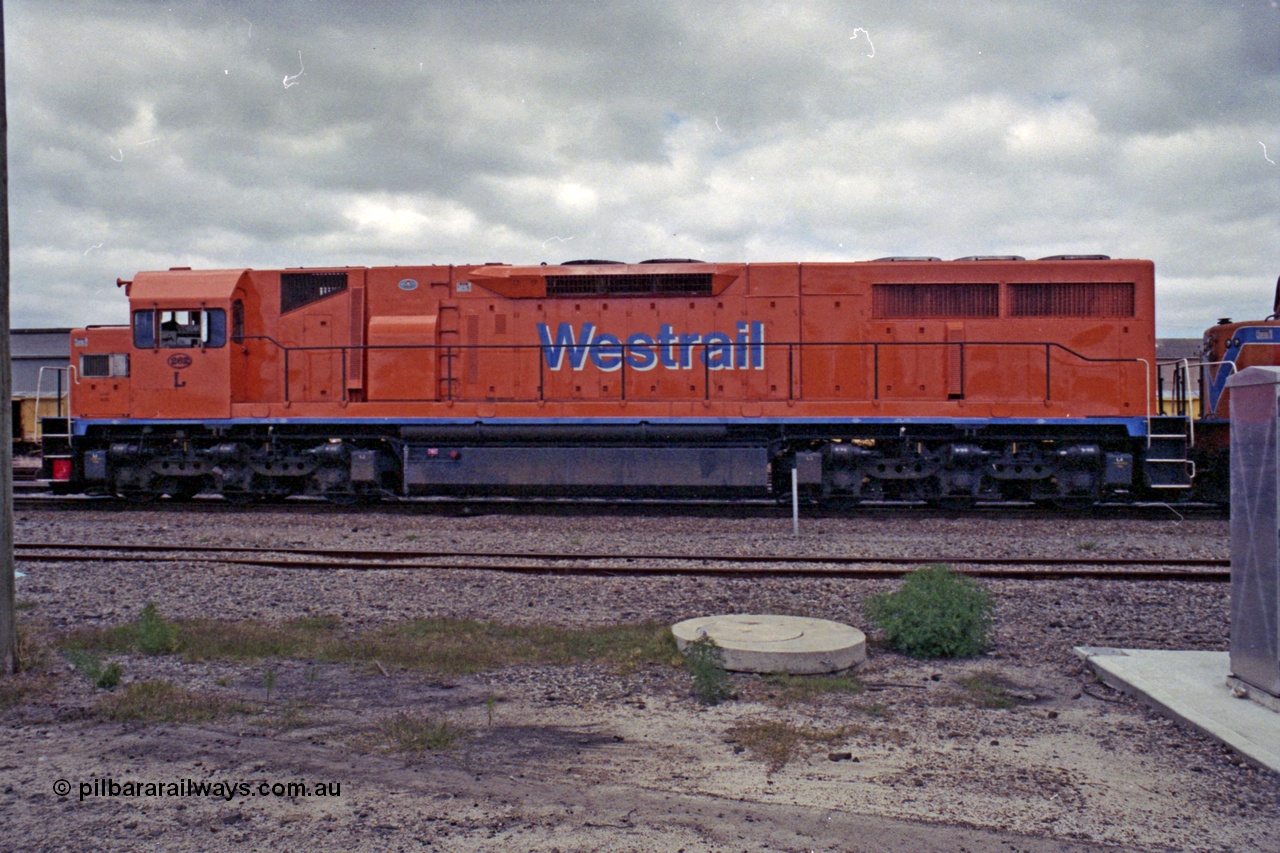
32	650
456	647
24	687
776	743
165	702
785	689
986	688
405	732
443	646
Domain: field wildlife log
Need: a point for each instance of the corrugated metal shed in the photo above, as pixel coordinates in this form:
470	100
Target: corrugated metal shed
31	349
1189	348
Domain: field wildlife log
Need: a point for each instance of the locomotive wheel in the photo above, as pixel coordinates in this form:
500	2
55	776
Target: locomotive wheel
1075	504
241	498
185	490
836	503
340	497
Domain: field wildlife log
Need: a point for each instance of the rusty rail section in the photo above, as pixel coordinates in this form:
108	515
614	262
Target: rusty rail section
1203	570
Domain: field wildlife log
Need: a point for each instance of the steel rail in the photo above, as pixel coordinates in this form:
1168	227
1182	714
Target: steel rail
385	555
811	568
762	508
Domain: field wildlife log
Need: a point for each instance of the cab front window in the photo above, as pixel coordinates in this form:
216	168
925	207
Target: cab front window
179	329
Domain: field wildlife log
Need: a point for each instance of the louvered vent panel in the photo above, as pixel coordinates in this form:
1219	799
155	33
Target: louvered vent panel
935	300
630	284
302	288
95	366
1085	299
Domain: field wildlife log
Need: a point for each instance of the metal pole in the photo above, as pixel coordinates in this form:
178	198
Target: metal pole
8	623
795	502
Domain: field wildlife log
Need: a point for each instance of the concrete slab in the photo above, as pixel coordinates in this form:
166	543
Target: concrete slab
1192	688
792	644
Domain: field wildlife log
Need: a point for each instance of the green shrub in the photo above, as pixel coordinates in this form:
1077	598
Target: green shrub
155	634
90	666
705	664
934	614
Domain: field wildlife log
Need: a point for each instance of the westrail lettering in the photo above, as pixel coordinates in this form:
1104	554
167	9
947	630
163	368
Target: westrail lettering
742	349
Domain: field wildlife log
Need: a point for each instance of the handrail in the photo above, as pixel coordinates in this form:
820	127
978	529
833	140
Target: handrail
58	370
1182	368
623	352
1146	374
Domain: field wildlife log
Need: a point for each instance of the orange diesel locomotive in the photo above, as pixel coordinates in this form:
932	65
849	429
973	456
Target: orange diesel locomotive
981	378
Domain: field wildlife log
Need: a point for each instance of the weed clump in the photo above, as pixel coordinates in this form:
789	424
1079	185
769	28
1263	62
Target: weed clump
705	664
776	743
90	666
164	702
154	634
934	614
417	734
810	688
987	688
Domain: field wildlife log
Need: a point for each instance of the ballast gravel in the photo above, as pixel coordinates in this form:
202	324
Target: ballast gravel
1018	746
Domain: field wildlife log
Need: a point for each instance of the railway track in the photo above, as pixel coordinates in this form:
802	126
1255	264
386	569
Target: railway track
624	507
1203	570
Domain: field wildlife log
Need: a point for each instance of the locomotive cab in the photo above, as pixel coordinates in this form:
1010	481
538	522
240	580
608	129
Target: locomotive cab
1227	348
1231	347
181	339
141	390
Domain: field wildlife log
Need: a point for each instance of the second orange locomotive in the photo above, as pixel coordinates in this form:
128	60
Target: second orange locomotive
902	378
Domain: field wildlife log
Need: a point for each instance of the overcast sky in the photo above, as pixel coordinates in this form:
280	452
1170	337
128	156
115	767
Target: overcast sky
270	134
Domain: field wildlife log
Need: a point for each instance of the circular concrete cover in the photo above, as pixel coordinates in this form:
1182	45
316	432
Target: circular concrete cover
791	644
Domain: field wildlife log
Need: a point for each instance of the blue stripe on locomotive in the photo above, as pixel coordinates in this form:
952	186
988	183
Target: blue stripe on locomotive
1243	337
1136	427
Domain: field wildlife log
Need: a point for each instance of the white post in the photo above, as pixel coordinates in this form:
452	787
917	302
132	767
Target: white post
795	503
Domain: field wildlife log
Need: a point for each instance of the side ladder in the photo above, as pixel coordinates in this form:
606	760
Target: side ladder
1167	465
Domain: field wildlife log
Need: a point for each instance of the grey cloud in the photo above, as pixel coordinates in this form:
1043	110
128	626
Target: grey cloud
523	131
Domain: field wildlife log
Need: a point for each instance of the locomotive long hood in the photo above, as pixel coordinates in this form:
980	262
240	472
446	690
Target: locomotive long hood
653	279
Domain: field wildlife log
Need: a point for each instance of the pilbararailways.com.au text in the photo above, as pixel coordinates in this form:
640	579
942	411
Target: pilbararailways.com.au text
110	788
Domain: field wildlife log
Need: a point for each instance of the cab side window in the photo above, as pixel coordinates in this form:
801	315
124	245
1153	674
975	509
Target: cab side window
144	329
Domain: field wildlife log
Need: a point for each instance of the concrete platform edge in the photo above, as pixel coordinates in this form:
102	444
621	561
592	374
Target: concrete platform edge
1191	687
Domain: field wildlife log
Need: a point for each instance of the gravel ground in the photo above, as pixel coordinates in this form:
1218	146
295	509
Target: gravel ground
583	758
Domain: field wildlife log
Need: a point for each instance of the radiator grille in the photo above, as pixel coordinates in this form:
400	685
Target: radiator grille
1086	299
935	300
95	365
104	366
302	288
630	284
